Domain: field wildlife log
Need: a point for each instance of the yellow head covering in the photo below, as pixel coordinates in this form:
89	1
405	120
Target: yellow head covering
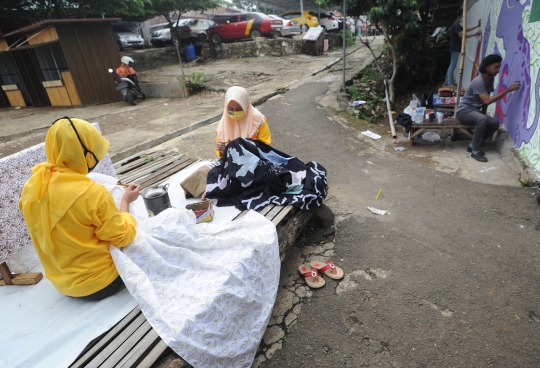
56	184
229	129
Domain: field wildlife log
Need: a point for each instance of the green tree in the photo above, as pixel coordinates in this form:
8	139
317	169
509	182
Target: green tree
394	19
57	9
173	9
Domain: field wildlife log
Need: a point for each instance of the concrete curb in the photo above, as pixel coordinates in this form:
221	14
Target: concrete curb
167	137
7	138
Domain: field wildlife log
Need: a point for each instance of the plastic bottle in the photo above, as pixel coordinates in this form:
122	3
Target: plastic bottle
419	117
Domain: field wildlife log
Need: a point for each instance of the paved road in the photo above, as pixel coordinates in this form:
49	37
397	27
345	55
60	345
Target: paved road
447	279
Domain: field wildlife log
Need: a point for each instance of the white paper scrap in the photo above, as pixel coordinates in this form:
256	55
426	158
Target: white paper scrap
378	212
371	135
399	148
357	103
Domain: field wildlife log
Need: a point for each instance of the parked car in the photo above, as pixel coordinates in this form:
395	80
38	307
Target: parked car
289	28
244	25
329	21
350	24
162	37
198	28
127	37
309	16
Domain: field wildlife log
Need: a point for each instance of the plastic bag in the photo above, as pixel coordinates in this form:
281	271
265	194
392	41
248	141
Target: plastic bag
411	109
431	137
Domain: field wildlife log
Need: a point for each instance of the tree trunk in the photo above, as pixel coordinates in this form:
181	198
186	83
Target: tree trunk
82	9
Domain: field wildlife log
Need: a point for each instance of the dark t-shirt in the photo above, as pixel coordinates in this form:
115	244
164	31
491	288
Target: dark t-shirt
471	99
455	40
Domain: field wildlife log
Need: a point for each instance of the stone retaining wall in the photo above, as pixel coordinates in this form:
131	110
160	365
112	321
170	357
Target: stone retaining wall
260	47
278	46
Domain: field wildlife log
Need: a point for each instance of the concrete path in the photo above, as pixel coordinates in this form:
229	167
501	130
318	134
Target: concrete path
446	279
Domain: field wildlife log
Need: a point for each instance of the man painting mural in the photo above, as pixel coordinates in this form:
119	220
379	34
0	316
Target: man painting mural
456	36
473	105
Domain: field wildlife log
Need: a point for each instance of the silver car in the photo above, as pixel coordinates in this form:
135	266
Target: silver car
198	28
126	37
289	27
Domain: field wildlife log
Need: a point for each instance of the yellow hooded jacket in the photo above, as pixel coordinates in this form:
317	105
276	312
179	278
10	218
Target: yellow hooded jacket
71	219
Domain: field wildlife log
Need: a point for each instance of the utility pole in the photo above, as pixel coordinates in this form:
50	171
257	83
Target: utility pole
344	38
303	18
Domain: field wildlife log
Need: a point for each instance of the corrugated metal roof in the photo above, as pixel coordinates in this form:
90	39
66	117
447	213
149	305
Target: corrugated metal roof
49	22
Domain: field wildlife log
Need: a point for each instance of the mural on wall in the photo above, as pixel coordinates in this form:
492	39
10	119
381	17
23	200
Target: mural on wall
509	28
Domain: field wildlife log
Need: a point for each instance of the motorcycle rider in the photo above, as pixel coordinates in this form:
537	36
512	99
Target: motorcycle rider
125	70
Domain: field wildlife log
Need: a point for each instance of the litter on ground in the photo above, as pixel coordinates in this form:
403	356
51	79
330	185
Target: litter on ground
399	148
357	103
378	212
370	134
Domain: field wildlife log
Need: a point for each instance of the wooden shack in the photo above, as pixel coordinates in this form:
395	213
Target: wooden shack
59	62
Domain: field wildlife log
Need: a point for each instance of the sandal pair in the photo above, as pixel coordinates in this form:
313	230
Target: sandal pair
310	273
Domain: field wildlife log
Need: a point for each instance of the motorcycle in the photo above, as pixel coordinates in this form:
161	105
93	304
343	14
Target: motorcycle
130	90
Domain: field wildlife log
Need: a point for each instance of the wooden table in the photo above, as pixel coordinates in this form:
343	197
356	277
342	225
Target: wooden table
133	342
448	123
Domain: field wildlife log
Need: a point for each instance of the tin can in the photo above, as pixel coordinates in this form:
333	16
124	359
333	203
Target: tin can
156	199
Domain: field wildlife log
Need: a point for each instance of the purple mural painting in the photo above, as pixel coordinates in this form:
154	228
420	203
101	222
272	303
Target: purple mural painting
513	109
485	37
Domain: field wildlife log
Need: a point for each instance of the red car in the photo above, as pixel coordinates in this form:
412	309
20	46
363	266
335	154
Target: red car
244	25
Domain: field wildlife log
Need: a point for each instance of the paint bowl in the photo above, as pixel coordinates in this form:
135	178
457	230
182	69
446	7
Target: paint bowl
440	117
156	199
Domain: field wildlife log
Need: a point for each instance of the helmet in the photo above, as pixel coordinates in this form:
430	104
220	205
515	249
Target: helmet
127	60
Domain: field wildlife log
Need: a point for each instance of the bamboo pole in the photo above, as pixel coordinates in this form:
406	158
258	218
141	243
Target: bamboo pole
462	61
344	40
392	128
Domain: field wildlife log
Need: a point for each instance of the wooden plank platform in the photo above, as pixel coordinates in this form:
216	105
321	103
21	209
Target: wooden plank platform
133	342
449	123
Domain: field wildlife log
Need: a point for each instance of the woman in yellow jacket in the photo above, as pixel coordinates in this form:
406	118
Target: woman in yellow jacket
240	120
71	219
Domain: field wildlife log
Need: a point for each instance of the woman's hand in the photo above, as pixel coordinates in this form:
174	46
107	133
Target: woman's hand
131	194
221	146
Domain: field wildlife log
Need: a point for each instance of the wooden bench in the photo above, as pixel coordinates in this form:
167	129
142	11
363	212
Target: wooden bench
133	342
448	123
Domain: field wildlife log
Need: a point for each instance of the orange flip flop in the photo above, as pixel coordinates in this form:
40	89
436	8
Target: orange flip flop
311	276
329	269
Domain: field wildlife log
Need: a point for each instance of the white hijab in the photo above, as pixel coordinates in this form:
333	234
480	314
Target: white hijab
229	129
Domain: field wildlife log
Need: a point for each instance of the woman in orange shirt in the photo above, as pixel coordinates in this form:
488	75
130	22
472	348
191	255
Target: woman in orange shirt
240	120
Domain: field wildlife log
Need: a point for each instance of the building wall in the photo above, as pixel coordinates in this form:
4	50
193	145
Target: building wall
509	30
90	50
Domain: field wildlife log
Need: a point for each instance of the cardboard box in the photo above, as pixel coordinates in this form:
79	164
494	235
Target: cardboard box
439	101
204	212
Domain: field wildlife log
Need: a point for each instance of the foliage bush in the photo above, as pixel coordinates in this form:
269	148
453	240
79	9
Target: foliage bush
194	81
416	61
349	38
366	91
